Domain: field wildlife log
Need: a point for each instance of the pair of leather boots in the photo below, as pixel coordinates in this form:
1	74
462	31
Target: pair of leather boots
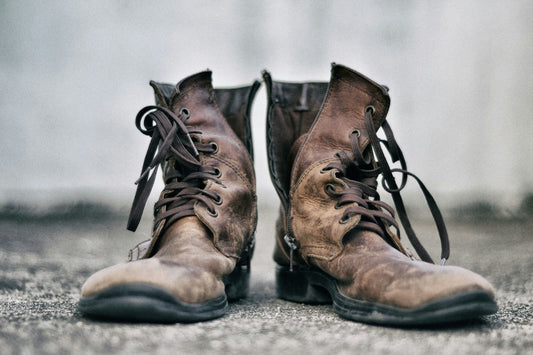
337	242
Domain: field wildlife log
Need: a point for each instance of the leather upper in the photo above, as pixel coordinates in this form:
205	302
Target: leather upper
303	152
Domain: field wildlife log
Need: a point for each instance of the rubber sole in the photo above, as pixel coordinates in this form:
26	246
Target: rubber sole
315	287
151	304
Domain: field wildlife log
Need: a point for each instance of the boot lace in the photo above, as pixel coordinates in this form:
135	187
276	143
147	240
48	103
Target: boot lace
185	183
360	178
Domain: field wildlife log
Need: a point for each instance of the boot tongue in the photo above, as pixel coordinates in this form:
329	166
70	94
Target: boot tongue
163	93
235	106
295	148
166	94
184	229
181	233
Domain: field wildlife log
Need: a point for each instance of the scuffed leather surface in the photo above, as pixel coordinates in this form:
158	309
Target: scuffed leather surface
191	256
343	112
187	265
235	104
369	269
365	266
237	215
349	93
316	222
292	108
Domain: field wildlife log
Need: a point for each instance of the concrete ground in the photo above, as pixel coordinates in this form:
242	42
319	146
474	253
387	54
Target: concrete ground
45	260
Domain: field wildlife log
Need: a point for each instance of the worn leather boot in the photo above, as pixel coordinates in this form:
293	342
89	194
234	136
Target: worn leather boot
336	241
203	235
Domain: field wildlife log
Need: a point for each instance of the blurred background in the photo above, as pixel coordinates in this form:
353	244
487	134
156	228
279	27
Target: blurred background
75	73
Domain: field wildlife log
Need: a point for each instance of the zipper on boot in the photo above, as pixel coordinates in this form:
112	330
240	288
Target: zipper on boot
291	243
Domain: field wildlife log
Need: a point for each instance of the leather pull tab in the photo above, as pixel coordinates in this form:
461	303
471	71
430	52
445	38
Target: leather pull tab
302	102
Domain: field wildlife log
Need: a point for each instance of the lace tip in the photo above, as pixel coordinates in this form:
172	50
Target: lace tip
143	175
443	261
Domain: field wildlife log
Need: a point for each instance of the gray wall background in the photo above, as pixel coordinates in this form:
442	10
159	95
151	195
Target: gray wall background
75	73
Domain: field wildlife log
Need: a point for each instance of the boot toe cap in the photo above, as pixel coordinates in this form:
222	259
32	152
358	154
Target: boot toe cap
186	283
433	284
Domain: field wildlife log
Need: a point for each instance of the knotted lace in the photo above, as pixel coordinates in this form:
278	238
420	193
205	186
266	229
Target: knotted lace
360	178
185	182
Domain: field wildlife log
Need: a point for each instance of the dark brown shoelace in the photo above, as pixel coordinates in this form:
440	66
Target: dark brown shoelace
185	183
361	181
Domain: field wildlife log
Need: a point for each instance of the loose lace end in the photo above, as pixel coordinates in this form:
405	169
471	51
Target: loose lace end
143	175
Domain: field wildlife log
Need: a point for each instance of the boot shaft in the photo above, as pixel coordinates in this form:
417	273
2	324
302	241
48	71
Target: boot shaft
342	114
308	124
325	166
213	176
235	104
204	221
292	109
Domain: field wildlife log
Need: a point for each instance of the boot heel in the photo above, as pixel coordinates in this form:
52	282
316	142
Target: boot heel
295	286
237	283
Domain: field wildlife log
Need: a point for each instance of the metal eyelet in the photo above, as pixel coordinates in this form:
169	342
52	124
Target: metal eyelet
218	201
344	219
371	108
212	213
356	132
215	147
217	172
329	189
184	111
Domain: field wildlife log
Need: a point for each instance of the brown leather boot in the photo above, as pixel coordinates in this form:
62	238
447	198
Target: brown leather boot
336	241
205	219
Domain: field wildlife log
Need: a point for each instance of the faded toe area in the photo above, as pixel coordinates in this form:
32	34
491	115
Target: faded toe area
188	283
371	270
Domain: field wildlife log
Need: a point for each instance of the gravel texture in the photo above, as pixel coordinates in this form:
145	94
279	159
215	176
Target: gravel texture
45	261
